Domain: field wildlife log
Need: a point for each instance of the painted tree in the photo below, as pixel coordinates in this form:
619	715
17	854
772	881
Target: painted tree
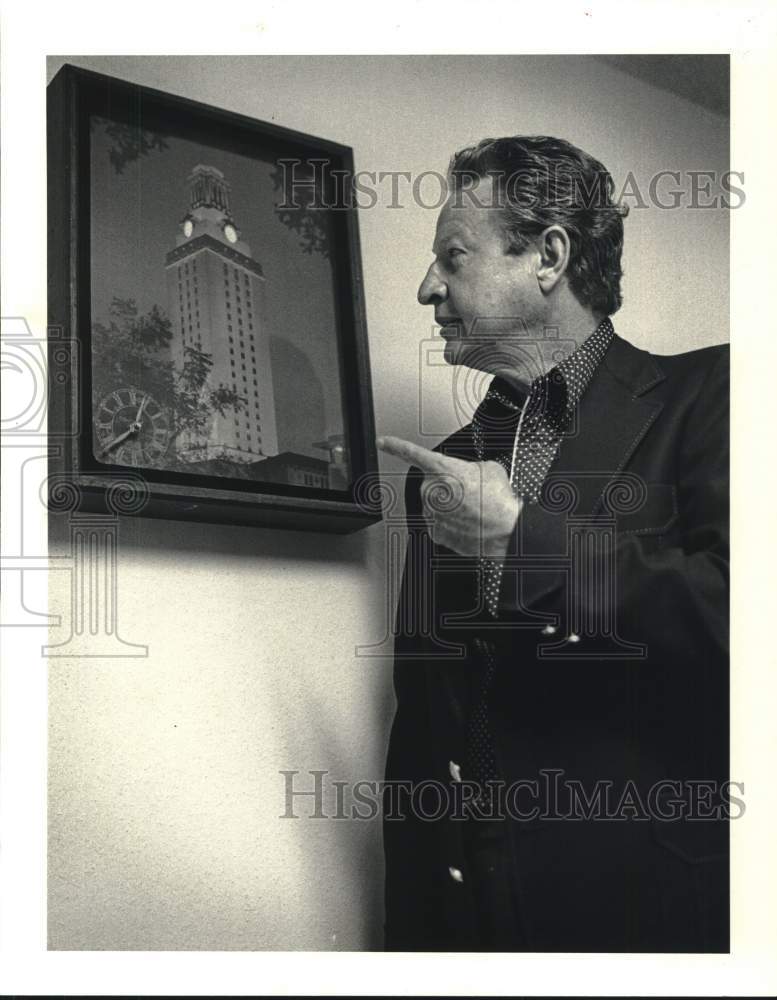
133	350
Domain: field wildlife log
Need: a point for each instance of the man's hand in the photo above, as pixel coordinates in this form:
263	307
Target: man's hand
470	506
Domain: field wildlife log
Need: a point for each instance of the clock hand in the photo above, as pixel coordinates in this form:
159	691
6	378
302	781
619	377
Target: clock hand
140	410
133	429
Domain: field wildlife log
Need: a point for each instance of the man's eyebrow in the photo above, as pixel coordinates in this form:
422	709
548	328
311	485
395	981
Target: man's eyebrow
451	234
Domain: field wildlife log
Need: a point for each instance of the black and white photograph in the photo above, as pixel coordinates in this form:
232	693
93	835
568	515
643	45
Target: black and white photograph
557	763
378	528
187	279
218	337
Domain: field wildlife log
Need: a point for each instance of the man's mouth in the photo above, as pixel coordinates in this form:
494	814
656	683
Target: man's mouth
450	327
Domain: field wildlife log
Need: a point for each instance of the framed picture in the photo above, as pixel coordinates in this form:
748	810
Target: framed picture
207	339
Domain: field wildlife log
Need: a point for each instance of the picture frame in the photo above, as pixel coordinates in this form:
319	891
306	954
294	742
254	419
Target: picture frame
207	348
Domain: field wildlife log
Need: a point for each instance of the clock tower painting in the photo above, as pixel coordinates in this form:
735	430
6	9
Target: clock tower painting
215	293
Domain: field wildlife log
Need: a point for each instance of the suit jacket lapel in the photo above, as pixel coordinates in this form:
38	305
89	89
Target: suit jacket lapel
611	420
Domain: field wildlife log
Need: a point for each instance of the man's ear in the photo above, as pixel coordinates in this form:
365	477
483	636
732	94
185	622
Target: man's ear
554	247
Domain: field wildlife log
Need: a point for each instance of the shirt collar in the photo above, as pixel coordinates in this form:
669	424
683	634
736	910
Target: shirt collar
561	388
577	370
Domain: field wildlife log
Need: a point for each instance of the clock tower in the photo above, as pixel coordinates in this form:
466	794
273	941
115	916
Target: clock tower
215	293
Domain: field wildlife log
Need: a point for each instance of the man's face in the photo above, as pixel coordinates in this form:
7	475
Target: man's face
486	299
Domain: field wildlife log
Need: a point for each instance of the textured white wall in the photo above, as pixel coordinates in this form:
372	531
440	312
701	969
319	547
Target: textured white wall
165	791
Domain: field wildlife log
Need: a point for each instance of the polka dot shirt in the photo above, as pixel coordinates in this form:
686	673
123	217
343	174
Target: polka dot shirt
523	435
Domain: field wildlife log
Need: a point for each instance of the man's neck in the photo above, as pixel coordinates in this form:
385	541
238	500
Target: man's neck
568	335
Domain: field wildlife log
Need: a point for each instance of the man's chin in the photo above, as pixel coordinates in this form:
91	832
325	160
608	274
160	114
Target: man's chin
458	352
453	351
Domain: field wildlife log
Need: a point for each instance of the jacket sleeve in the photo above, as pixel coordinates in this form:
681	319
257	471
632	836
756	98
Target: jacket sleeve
685	583
406	674
411	847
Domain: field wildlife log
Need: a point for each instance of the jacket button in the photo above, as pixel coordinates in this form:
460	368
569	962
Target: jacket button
549	630
573	637
455	874
455	770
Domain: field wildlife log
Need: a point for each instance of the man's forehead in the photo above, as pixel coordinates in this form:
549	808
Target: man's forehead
465	215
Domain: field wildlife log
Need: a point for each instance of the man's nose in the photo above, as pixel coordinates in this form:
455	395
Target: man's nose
432	290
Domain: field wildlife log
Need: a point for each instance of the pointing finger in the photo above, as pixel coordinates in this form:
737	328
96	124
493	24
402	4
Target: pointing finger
414	454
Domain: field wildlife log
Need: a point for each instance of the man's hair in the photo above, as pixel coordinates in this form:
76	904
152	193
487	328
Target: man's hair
541	181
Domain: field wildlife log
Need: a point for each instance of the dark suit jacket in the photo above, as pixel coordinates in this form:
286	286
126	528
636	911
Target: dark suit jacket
641	698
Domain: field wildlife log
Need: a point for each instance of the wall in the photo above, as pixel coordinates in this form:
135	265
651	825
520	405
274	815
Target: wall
165	785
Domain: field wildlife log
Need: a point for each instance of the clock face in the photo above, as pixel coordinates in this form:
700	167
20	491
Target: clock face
131	428
230	233
188	228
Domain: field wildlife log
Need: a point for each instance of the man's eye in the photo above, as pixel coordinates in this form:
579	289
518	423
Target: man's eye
455	251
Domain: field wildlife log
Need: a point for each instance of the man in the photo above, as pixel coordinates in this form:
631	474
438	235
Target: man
557	765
